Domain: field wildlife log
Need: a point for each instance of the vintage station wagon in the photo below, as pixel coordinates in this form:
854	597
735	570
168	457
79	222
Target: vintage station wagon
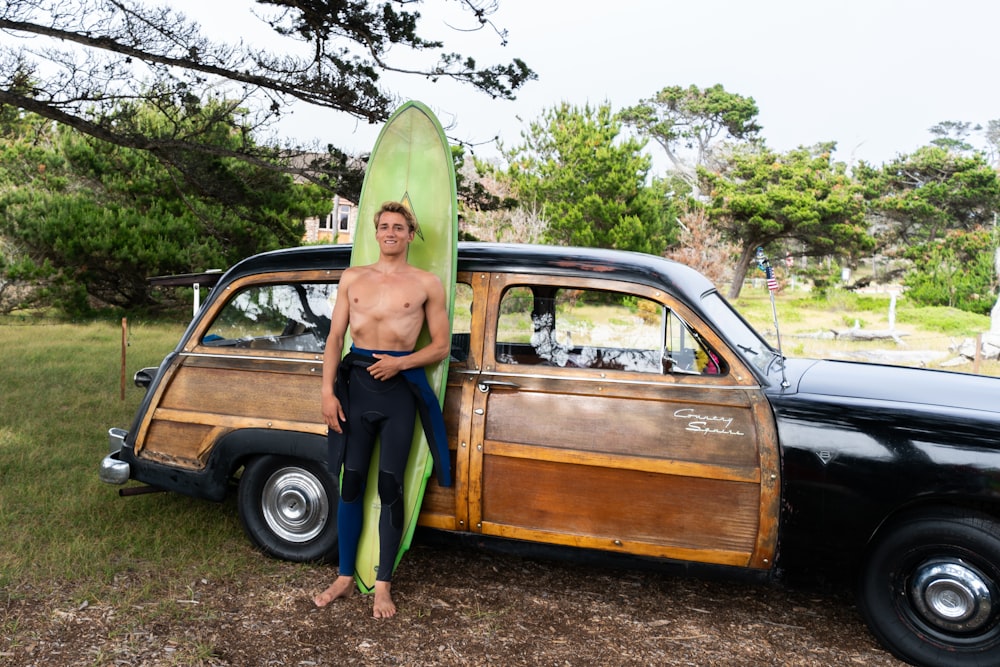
607	403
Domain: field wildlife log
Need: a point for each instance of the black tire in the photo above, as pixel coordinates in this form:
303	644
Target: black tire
288	508
930	589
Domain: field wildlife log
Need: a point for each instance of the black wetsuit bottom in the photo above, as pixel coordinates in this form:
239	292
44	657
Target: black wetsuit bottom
385	410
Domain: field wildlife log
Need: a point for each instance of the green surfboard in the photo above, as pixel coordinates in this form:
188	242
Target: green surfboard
411	163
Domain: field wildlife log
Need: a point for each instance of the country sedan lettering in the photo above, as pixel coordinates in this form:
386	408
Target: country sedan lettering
577	375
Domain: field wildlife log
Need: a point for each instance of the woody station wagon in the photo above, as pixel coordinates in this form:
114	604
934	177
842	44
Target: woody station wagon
607	403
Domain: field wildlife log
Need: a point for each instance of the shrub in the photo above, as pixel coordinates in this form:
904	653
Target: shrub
956	271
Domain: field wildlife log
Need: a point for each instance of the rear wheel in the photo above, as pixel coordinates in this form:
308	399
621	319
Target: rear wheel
930	590
288	508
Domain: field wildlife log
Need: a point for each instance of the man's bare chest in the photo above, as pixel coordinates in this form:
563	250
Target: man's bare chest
386	298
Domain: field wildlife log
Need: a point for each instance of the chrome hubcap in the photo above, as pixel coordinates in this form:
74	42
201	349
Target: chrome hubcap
295	505
952	596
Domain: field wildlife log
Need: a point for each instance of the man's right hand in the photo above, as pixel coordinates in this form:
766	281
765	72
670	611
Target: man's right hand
333	413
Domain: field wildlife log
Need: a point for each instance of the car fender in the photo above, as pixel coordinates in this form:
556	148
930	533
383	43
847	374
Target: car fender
227	456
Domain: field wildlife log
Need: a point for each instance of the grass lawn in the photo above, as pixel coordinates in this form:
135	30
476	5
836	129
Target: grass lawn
60	389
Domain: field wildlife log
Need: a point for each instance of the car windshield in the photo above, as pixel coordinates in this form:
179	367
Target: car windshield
748	343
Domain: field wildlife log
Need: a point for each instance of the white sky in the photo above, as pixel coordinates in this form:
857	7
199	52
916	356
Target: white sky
872	75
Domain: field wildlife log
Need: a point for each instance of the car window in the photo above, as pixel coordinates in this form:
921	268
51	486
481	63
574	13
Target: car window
754	349
461	327
285	316
610	331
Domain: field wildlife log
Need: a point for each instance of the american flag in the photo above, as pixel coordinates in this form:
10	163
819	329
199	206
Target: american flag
772	282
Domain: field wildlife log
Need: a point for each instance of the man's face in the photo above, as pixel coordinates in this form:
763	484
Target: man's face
393	233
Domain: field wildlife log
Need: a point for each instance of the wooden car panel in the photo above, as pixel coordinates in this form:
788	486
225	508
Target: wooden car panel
227	394
686	472
211	390
443	507
448	507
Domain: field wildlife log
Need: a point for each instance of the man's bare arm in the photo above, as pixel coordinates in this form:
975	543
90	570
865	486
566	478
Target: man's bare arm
333	413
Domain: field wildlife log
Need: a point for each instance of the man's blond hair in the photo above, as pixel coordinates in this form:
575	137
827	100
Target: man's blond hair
397	207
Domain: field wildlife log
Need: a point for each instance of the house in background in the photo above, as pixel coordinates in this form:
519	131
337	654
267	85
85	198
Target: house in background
337	227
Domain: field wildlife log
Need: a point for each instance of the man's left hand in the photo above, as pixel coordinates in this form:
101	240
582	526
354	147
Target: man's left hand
387	366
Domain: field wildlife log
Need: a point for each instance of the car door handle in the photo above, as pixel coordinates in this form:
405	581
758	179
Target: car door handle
486	385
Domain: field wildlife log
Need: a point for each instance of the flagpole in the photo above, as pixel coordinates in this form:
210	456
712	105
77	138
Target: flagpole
772	285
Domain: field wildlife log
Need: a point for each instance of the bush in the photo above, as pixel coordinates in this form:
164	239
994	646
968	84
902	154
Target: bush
956	271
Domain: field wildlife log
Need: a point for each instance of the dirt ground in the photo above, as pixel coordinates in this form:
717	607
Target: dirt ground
456	607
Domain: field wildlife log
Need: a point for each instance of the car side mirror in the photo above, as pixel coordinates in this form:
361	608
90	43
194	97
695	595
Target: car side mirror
144	377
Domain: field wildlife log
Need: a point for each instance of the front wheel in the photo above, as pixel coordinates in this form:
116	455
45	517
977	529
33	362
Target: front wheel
288	508
930	590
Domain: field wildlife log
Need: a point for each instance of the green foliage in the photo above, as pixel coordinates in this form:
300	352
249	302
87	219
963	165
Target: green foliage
992	136
763	198
825	277
589	183
337	171
690	119
923	195
472	194
328	53
102	219
688	114
956	271
953	135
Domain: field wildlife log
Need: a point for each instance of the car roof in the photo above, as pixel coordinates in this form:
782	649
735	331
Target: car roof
680	280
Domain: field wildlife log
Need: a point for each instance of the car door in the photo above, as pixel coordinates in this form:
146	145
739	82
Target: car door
252	360
607	416
447	508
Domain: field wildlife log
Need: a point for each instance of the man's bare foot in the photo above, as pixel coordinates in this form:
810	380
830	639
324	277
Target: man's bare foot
384	606
342	587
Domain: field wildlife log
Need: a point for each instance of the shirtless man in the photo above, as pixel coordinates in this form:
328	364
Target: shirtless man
385	304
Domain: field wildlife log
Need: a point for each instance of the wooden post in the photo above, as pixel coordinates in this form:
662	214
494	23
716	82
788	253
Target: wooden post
979	354
124	344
